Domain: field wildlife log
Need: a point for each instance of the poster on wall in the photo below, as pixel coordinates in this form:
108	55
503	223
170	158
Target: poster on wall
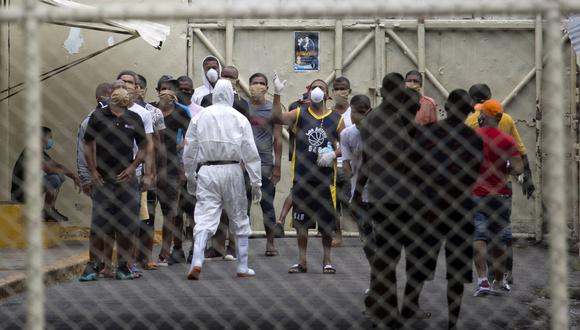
306	51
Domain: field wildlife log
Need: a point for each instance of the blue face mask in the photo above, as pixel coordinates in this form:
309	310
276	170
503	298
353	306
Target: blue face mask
49	144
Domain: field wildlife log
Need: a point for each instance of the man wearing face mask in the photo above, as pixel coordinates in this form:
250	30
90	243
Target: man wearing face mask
230	73
211	68
218	140
267	136
218	247
53	179
185	95
110	137
340	92
145	170
171	177
317	129
428	112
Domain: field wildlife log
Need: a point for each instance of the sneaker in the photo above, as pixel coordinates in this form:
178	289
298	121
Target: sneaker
178	256
124	273
230	254
162	262
500	288
89	274
212	253
482	289
136	271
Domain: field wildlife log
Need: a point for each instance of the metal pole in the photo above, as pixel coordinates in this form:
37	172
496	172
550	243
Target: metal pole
379	59
229	42
5	125
338	48
574	134
421	46
407	51
556	174
352	55
33	191
538	205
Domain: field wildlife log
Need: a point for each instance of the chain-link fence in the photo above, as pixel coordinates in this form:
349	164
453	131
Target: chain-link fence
431	147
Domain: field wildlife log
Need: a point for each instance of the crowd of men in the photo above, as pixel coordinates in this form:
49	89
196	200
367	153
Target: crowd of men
408	179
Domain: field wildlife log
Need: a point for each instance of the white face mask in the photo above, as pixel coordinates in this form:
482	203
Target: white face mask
212	75
316	95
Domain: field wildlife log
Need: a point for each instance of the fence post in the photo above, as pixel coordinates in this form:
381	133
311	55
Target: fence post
556	200
33	192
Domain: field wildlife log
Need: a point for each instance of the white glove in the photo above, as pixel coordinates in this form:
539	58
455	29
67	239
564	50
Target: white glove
326	159
278	84
256	194
192	185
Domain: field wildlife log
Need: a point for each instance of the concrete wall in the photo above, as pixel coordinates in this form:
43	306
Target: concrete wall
458	58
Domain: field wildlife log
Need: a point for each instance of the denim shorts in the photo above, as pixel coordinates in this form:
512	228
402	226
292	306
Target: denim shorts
52	182
492	218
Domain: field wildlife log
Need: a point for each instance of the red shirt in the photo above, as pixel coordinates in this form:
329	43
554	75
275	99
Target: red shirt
498	147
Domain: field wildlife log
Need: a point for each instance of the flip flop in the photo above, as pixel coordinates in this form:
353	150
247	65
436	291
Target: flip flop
272	253
328	269
297	269
419	314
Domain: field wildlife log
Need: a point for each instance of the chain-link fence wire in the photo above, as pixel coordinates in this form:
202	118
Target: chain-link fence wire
428	189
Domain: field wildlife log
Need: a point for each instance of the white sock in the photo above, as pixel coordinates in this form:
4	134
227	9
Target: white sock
242	244
481	279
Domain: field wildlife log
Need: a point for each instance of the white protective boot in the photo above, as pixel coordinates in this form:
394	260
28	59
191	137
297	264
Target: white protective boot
199	243
242	243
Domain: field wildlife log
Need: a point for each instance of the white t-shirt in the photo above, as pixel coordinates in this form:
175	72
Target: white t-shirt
351	147
347	123
147	119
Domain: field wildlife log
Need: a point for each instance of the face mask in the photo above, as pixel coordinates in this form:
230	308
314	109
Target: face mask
183	97
212	75
317	95
341	97
121	97
165	99
258	91
49	144
414	86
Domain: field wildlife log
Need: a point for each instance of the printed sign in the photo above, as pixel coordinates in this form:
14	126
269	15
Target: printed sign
306	51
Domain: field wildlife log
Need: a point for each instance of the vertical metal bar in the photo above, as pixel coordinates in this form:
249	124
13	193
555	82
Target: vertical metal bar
338	48
5	124
379	59
538	208
229	42
33	192
556	200
189	53
421	46
574	136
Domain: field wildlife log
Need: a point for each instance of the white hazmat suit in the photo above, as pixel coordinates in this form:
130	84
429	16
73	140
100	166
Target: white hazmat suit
218	140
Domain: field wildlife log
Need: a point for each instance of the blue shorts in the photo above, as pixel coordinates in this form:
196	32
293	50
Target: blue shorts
492	218
52	182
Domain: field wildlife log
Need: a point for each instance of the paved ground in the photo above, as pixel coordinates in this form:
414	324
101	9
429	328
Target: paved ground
276	299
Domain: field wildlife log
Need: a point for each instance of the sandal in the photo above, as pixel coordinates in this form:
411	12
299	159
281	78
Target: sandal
328	269
297	269
419	314
272	253
150	266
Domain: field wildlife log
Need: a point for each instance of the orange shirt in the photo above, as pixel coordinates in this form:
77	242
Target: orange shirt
428	112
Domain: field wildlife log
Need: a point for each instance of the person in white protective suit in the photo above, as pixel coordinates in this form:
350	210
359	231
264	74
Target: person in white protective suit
218	140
